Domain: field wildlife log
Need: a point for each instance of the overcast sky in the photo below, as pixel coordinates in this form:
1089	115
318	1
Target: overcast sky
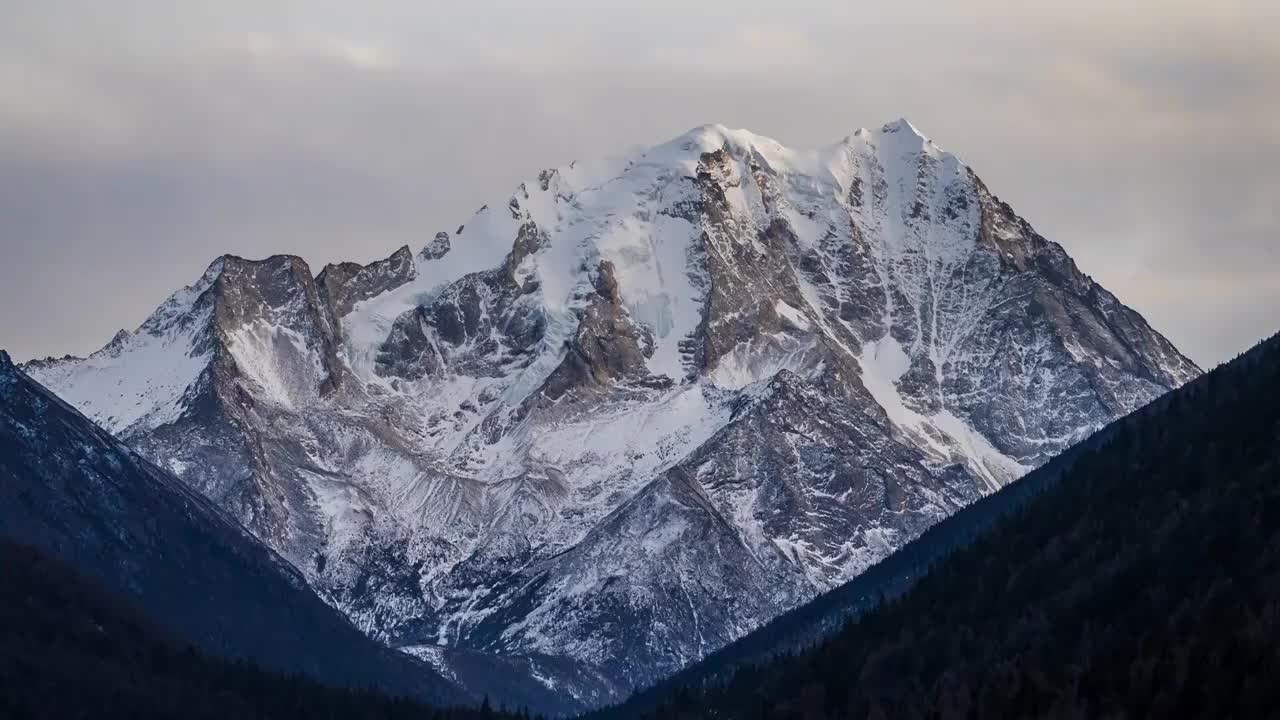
139	139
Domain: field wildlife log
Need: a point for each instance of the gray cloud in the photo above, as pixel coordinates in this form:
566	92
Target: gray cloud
139	140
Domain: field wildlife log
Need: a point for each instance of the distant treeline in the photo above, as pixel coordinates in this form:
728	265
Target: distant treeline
70	649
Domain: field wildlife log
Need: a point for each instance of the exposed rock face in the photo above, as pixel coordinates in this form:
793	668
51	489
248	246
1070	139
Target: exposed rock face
622	420
437	247
608	350
345	284
479	325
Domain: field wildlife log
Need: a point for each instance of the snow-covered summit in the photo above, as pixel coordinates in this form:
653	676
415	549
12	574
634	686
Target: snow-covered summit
902	126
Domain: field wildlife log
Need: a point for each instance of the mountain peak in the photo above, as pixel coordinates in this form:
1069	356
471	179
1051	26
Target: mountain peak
710	138
901	135
278	261
902	125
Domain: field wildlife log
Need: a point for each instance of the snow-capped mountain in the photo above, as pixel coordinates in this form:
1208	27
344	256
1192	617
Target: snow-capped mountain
624	417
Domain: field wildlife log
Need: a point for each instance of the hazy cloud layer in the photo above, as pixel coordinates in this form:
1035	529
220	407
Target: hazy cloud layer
139	138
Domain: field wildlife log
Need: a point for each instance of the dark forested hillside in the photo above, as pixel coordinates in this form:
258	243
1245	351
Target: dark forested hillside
1144	583
70	648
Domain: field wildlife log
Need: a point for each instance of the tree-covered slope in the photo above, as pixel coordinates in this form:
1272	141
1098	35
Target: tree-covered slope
71	648
1144	583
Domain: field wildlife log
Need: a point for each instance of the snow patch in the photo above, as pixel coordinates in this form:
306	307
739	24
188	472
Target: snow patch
884	362
138	382
792	315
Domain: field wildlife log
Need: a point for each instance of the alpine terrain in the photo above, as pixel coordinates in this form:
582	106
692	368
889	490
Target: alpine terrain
79	498
622	418
1142	581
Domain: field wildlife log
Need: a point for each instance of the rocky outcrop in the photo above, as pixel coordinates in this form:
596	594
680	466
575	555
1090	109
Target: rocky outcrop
345	284
483	323
608	348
